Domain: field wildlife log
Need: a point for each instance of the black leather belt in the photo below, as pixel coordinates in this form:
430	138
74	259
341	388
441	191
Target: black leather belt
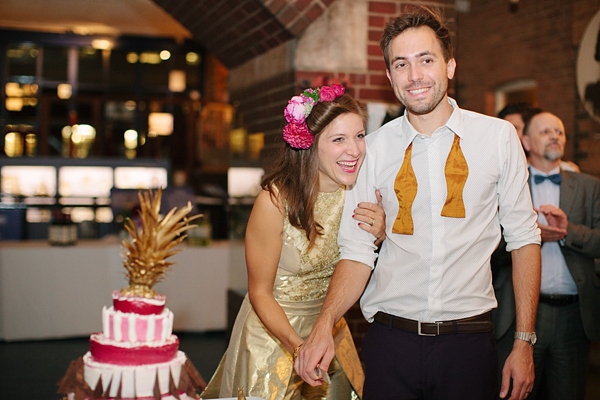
558	299
478	323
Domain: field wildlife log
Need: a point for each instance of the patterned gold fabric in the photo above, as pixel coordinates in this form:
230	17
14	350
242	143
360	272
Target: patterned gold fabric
456	172
405	187
255	359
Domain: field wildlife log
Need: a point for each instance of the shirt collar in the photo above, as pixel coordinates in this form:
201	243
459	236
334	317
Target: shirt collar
535	171
454	124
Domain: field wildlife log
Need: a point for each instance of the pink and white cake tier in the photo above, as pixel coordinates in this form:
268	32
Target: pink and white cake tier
136	331
137	320
137	381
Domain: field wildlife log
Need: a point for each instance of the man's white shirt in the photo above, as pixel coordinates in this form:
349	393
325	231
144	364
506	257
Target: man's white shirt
556	278
442	271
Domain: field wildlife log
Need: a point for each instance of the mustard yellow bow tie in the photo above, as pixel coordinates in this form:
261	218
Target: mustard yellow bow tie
405	187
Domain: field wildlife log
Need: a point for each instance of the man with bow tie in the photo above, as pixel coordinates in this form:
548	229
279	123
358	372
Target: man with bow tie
568	316
449	179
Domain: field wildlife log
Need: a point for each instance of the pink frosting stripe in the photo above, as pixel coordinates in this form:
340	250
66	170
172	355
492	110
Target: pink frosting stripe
111	327
158	330
139	355
137	306
125	329
141	326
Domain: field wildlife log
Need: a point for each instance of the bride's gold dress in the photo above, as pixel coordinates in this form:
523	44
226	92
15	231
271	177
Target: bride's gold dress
255	360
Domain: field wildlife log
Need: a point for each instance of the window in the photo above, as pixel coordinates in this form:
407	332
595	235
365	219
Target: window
517	91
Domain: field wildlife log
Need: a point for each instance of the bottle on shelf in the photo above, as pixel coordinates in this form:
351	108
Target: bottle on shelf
62	231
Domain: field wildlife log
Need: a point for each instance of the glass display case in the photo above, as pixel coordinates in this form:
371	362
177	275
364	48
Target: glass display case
80	188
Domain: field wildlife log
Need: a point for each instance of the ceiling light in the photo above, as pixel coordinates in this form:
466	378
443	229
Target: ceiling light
102	44
165	55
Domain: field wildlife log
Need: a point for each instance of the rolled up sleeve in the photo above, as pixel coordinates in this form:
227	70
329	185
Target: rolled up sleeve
516	213
355	243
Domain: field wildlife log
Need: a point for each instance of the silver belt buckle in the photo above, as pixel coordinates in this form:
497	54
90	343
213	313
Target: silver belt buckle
437	324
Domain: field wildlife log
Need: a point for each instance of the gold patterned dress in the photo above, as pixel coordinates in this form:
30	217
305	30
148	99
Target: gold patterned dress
255	360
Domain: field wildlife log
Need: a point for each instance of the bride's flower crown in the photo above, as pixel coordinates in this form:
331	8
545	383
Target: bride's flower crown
296	132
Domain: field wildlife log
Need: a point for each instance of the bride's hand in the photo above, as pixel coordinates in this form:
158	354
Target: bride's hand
371	218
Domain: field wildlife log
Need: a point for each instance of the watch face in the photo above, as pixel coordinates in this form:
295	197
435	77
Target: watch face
533	338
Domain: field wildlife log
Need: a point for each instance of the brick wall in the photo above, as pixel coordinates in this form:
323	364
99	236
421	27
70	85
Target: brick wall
368	85
372	83
539	40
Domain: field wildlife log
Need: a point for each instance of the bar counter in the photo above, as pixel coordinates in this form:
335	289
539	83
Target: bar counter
49	292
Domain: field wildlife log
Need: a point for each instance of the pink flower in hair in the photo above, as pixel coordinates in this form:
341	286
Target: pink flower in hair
298	136
296	132
298	109
338	89
327	93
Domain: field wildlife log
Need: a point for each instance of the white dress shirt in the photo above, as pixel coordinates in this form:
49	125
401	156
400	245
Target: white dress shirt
556	278
442	271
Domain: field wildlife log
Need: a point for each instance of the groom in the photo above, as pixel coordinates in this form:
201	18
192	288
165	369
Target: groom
450	177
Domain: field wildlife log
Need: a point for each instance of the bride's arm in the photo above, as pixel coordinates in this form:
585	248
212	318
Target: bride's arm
263	249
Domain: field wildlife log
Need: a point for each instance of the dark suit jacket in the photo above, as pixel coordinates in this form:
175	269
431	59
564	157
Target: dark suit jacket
580	200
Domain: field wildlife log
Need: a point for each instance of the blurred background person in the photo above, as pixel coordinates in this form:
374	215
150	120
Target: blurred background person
568	315
516	113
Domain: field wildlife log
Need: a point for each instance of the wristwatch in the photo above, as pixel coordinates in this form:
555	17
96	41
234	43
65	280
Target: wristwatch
529	337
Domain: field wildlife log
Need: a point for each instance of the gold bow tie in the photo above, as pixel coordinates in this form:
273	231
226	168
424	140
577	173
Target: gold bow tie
405	186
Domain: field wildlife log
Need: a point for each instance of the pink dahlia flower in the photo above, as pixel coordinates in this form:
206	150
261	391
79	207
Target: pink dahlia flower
298	136
327	93
298	109
338	89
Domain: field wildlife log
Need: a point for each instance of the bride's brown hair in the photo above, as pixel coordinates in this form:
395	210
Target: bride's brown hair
294	181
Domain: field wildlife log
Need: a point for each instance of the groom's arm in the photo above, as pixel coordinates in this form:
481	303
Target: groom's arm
347	284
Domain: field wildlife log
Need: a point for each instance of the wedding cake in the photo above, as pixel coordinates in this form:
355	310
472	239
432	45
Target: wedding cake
136	356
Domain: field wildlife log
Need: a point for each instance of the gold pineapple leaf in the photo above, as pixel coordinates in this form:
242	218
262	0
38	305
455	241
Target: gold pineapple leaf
146	253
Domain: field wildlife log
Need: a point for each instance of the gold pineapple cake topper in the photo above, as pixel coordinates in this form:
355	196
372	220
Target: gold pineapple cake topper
147	251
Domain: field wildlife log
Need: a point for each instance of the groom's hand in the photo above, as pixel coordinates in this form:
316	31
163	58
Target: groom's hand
316	354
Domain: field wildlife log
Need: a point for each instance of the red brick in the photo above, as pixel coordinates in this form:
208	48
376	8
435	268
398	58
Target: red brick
375	35
376	22
302	4
299	26
342	76
287	15
314	12
378	80
377	95
358	78
374	50
276	5
376	64
382	7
